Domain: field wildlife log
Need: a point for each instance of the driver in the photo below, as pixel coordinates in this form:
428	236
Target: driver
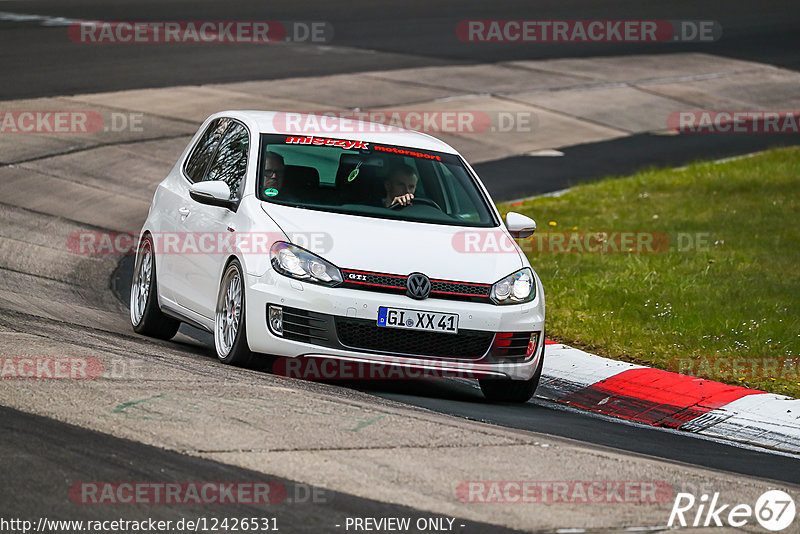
400	185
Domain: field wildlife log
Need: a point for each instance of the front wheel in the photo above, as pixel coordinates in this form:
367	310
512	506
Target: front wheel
505	390
146	317
230	334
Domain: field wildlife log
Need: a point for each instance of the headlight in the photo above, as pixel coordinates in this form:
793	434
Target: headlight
295	262
515	288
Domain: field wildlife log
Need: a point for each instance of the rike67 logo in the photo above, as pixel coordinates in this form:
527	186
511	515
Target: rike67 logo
774	510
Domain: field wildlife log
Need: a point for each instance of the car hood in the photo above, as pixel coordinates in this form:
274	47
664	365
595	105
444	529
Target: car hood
397	247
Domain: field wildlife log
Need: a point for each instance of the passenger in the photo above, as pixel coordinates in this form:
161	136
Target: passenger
274	171
400	185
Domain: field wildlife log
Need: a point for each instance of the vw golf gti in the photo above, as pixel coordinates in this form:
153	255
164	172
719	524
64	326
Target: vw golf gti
349	241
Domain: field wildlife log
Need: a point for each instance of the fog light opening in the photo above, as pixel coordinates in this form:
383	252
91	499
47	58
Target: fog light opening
275	319
534	339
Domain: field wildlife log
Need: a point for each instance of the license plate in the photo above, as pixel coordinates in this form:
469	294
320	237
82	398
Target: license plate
446	323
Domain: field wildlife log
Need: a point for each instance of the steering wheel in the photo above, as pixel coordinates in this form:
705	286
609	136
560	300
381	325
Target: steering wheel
420	200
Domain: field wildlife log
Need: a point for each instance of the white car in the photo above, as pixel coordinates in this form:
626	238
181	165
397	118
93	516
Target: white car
350	242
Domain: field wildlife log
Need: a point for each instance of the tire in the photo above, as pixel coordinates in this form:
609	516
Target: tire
518	391
146	317
230	332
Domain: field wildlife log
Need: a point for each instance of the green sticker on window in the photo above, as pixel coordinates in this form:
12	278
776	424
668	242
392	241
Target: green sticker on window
271	192
352	175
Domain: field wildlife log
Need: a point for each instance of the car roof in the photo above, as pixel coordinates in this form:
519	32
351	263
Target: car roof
351	129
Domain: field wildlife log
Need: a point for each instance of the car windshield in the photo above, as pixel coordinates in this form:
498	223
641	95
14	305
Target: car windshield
366	178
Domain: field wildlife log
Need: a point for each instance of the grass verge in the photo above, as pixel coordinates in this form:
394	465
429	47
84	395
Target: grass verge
718	296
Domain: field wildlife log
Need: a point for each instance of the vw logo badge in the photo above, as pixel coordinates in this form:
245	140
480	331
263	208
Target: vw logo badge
418	286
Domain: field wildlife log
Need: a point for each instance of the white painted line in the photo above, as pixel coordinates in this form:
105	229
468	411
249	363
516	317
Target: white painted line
461	97
726	160
43	20
734	158
546	153
664	132
551	194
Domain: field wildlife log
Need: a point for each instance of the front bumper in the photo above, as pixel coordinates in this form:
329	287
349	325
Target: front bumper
337	309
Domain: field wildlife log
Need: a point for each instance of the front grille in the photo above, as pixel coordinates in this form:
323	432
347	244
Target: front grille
395	283
377	279
460	288
366	335
305	326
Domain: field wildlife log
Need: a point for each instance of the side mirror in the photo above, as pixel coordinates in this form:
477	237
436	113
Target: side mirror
520	225
212	193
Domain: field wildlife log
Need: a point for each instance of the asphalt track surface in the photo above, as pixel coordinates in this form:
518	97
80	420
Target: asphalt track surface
37	62
57	455
522	176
